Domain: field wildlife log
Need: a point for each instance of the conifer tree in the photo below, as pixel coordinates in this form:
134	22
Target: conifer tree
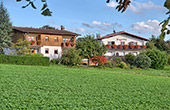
5	29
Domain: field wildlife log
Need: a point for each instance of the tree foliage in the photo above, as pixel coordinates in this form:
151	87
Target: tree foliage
47	27
158	58
142	61
71	57
21	47
5	29
90	46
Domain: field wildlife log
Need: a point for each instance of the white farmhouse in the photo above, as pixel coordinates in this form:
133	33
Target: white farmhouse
122	43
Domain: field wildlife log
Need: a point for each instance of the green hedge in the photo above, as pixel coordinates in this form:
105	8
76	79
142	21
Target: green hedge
24	60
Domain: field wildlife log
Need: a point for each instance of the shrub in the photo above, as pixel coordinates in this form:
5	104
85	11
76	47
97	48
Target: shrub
130	58
117	60
24	60
56	61
109	64
34	54
71	57
142	61
158	58
123	65
100	60
168	58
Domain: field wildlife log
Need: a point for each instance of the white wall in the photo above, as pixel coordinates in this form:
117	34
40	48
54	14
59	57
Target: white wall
123	38
51	54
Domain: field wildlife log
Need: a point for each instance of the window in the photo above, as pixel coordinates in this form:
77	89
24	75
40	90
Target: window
135	43
29	38
113	43
32	50
46	38
55	39
55	51
122	43
32	38
109	43
37	39
46	51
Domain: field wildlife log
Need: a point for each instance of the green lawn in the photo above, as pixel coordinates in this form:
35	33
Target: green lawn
59	87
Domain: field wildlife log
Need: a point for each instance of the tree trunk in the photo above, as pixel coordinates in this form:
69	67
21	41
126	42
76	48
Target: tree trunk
88	62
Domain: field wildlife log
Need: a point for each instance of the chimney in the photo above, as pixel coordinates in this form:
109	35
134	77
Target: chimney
62	27
114	31
98	36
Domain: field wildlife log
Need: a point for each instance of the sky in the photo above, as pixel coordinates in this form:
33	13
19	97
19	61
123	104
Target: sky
92	16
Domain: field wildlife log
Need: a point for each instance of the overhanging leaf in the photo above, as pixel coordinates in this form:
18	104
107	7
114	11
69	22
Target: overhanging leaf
46	12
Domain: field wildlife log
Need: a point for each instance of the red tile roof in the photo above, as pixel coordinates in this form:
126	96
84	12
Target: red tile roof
44	31
123	32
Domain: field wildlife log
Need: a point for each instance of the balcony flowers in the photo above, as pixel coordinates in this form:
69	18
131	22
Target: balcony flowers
132	46
68	44
120	46
108	46
114	46
38	42
144	46
126	46
137	46
73	44
32	42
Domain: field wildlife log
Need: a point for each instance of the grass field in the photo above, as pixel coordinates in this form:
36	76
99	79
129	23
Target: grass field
59	87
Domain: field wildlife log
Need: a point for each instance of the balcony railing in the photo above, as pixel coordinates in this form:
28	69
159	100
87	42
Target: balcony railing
126	46
68	44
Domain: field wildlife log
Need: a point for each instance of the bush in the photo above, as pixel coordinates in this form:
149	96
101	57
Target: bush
100	60
158	58
55	61
130	58
34	54
109	64
142	61
123	65
168	58
71	57
24	60
117	60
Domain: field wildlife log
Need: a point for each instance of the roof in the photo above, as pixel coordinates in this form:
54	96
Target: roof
123	32
44	31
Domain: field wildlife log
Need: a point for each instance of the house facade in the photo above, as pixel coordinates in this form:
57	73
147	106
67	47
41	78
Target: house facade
122	43
48	42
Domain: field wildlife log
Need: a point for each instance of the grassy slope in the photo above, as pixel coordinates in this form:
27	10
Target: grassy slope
58	87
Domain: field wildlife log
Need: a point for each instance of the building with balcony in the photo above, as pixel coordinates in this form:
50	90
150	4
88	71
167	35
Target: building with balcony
122	43
48	42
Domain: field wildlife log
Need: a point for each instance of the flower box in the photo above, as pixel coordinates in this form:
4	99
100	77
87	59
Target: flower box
120	46
137	46
114	46
108	46
144	46
73	44
38	42
132	46
126	46
32	42
68	44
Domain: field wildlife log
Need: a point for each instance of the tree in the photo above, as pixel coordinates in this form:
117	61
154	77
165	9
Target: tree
5	29
47	27
90	47
71	57
21	47
122	6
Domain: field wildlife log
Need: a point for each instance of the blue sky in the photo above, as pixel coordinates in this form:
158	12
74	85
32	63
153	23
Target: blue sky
92	16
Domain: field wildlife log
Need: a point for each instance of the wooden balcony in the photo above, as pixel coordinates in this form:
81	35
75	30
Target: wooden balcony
126	47
36	44
68	45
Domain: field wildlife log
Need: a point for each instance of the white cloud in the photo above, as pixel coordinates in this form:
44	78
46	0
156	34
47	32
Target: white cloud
112	4
150	26
82	30
138	7
103	26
